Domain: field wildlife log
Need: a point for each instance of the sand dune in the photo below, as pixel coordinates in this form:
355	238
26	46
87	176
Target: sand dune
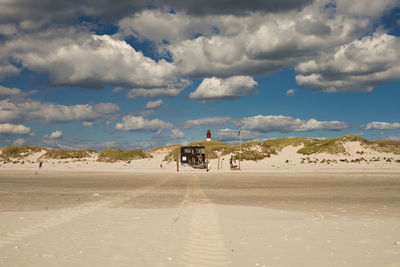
355	156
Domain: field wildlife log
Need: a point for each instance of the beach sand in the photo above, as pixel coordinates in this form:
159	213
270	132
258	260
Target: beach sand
66	218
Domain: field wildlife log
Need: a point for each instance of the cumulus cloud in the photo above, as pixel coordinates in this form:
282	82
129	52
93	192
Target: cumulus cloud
7	92
25	109
98	60
215	89
14	93
393	137
87	123
133	123
290	92
19	142
154	104
52	113
265	43
378	125
357	66
74	57
117	89
286	124
8	128
227	135
170	90
208	121
177	134
54	135
235	7
30	16
201	40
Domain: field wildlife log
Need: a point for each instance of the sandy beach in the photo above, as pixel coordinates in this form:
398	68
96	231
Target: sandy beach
199	219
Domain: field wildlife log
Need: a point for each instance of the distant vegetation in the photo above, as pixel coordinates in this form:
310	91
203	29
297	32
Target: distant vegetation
18	152
67	153
384	146
250	151
113	155
260	150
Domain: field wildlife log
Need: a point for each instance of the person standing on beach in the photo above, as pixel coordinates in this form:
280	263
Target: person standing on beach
40	164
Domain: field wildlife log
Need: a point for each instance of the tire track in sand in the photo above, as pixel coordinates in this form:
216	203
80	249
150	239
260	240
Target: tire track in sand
74	212
204	244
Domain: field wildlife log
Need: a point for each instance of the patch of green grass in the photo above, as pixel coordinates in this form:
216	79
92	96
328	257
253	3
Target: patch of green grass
67	154
330	146
113	155
279	143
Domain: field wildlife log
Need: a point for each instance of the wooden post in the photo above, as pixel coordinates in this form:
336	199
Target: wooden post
177	162
240	155
219	160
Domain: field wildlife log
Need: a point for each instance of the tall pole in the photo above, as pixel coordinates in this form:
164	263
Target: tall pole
240	152
177	162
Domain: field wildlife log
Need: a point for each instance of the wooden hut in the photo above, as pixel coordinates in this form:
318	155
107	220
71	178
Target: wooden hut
194	156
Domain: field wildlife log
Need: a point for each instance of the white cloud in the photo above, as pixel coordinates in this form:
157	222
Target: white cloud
117	89
154	104
6	92
290	92
226	135
393	137
74	57
170	90
8	128
264	43
56	135
87	123
25	109
215	89
286	124
378	125
19	142
357	66
132	123
208	121
177	134
215	42
365	7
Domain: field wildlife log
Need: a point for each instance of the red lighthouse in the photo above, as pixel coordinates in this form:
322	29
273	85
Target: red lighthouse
208	135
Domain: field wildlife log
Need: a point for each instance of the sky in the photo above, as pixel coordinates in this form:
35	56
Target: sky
80	74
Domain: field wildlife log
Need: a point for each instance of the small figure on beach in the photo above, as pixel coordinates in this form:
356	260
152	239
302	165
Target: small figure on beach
233	165
40	164
208	165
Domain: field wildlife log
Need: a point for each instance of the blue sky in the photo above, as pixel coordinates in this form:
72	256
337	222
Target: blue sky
129	74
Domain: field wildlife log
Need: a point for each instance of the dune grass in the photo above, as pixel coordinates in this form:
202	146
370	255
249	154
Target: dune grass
211	148
279	143
18	152
384	146
250	150
113	155
53	153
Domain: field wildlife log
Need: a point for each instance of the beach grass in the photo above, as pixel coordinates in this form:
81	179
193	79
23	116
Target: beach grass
53	153
113	155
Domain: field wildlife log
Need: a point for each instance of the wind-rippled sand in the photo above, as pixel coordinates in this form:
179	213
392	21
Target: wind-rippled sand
199	219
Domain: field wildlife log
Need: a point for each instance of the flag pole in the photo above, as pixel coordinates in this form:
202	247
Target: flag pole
240	152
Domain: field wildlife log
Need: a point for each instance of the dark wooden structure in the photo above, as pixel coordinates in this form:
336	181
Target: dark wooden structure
194	156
